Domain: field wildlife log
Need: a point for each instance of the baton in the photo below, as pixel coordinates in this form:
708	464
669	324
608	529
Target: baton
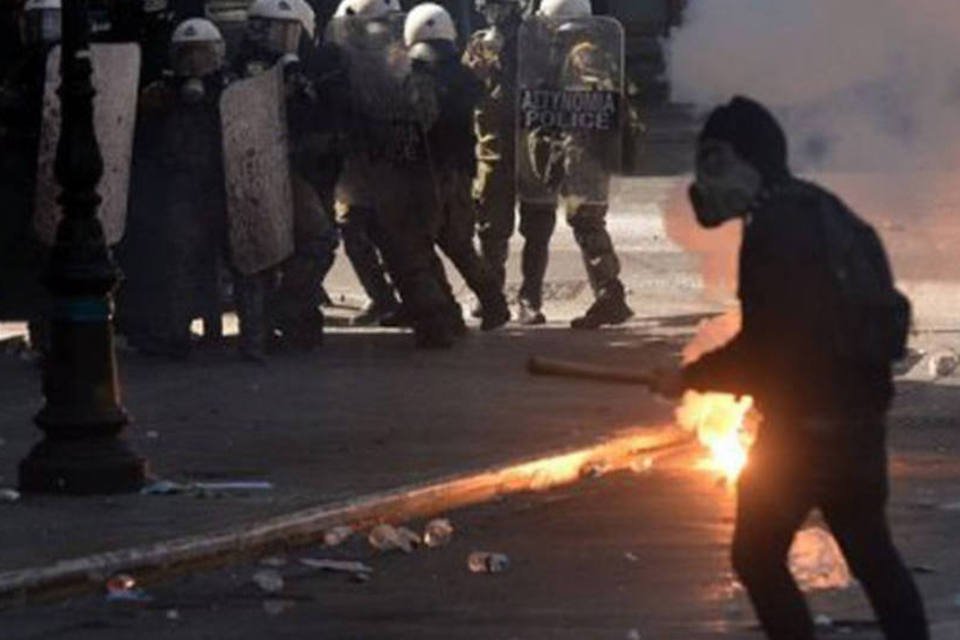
538	365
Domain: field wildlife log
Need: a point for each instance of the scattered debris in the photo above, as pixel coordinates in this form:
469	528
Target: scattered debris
173	615
241	485
816	561
438	533
487	562
823	621
594	469
642	465
337	566
385	537
277	606
9	495
542	480
630	556
164	488
337	536
203	489
634	634
123	588
269	580
273	561
942	363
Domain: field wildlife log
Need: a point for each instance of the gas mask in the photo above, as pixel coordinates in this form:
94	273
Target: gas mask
41	27
193	61
726	186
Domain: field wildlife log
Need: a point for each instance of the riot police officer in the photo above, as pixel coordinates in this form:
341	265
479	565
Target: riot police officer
492	55
358	28
176	237
281	32
448	93
574	160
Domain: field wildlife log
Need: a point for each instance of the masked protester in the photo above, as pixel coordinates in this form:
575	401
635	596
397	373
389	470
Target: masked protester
175	243
367	32
822	323
449	93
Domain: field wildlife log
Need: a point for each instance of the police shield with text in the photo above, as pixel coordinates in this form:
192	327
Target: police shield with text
571	112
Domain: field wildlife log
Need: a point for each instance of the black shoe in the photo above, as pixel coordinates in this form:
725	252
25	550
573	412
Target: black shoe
496	313
607	310
528	315
374	314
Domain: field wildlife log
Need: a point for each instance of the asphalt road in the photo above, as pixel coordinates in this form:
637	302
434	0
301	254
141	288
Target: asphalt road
631	555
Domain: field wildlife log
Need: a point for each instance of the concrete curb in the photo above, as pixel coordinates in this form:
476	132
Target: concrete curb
300	528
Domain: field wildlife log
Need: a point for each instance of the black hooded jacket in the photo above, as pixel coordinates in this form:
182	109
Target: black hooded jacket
789	298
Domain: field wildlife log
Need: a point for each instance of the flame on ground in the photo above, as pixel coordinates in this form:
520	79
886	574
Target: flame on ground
724	425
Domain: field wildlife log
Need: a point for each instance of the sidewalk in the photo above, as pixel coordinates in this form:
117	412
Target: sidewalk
365	414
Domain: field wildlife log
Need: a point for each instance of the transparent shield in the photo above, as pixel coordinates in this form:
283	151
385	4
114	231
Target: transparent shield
570	108
116	75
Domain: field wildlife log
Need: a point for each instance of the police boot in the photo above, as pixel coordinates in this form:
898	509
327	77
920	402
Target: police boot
610	308
528	314
495	312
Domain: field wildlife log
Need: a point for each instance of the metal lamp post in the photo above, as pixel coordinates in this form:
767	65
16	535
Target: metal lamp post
81	452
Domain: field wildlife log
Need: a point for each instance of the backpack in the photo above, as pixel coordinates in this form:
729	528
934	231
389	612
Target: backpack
872	318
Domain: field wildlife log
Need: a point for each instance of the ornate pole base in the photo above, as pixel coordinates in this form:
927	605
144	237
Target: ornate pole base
82	467
82	451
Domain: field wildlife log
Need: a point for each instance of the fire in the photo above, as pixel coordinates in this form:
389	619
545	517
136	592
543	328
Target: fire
724	425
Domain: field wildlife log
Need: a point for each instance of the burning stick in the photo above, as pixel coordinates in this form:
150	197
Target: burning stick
567	369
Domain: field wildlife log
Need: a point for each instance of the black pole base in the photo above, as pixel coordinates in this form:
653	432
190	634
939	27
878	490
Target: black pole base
85	466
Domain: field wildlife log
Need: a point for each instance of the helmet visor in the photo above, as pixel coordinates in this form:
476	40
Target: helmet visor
196	59
277	36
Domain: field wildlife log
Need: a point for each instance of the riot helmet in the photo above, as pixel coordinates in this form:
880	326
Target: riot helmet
429	33
565	9
367	8
197	49
277	25
41	22
500	13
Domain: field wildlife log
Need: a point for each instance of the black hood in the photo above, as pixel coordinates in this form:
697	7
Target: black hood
755	135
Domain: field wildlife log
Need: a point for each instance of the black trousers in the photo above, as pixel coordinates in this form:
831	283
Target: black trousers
848	483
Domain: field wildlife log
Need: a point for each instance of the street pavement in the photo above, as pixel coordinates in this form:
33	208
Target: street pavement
369	413
631	555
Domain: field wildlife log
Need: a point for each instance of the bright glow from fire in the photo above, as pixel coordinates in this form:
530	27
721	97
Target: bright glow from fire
723	425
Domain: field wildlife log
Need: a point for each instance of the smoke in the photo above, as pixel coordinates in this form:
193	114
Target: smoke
868	92
858	84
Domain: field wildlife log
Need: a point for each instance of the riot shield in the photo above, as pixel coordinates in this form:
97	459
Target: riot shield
116	73
256	168
570	108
